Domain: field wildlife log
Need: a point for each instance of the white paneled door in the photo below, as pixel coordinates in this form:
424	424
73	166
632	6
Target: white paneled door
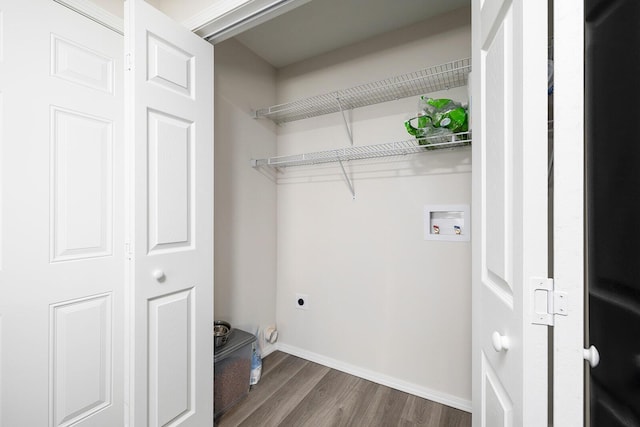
106	248
510	213
62	273
170	129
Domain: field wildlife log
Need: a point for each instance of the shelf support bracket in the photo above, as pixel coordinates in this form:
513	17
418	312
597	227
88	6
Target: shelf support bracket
346	177
346	123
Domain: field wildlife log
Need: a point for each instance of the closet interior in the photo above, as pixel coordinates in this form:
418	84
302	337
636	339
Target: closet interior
321	194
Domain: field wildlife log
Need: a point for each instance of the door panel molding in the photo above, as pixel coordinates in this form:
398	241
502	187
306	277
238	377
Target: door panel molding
81	185
80	359
171	373
497	398
81	65
171	183
169	66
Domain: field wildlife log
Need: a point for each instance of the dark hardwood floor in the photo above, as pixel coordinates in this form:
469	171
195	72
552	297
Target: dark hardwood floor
296	392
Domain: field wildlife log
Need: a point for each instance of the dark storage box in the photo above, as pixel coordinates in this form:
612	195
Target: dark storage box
232	367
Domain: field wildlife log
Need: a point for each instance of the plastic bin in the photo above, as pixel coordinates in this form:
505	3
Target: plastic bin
232	371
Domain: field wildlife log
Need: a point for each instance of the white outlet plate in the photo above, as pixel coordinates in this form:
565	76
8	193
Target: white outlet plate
305	299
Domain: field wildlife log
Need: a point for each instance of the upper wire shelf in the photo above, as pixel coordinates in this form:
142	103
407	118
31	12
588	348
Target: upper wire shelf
432	79
410	146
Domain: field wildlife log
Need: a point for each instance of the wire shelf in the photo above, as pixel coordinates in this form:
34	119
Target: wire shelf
439	77
410	146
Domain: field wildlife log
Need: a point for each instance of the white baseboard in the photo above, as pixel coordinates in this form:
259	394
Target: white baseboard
268	349
405	386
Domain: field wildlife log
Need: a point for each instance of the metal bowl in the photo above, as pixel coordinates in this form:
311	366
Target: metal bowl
221	332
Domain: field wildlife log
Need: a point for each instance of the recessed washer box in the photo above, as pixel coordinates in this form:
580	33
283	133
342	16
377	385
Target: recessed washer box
447	222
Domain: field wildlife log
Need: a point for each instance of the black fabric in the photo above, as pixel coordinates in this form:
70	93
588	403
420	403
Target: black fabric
612	138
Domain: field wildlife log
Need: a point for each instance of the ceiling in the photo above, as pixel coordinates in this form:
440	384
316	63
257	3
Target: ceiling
321	26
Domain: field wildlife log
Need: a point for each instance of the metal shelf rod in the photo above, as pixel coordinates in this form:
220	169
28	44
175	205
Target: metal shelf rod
346	177
346	124
362	152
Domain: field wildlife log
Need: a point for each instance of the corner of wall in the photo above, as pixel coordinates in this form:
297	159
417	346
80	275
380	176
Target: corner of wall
245	198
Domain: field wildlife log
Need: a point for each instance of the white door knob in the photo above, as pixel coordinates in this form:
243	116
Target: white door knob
158	275
591	355
500	342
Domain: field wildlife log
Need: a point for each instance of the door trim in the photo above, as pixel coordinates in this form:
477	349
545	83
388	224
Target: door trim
95	13
568	211
228	18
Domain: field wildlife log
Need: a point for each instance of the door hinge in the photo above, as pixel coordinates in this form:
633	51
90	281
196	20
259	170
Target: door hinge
128	251
128	62
546	302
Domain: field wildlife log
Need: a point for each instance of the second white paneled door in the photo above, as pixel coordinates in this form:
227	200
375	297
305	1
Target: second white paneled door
62	278
170	128
106	246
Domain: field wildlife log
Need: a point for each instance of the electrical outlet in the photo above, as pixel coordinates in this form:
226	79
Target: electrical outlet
302	301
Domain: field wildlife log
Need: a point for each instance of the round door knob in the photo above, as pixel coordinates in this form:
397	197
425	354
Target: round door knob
591	355
500	342
158	275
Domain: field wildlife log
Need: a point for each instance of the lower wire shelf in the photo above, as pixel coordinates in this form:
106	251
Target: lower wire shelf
389	149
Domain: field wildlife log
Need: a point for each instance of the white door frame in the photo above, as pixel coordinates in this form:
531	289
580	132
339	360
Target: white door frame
95	13
227	18
568	211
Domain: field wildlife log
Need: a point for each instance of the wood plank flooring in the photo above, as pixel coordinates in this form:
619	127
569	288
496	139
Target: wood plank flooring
296	392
